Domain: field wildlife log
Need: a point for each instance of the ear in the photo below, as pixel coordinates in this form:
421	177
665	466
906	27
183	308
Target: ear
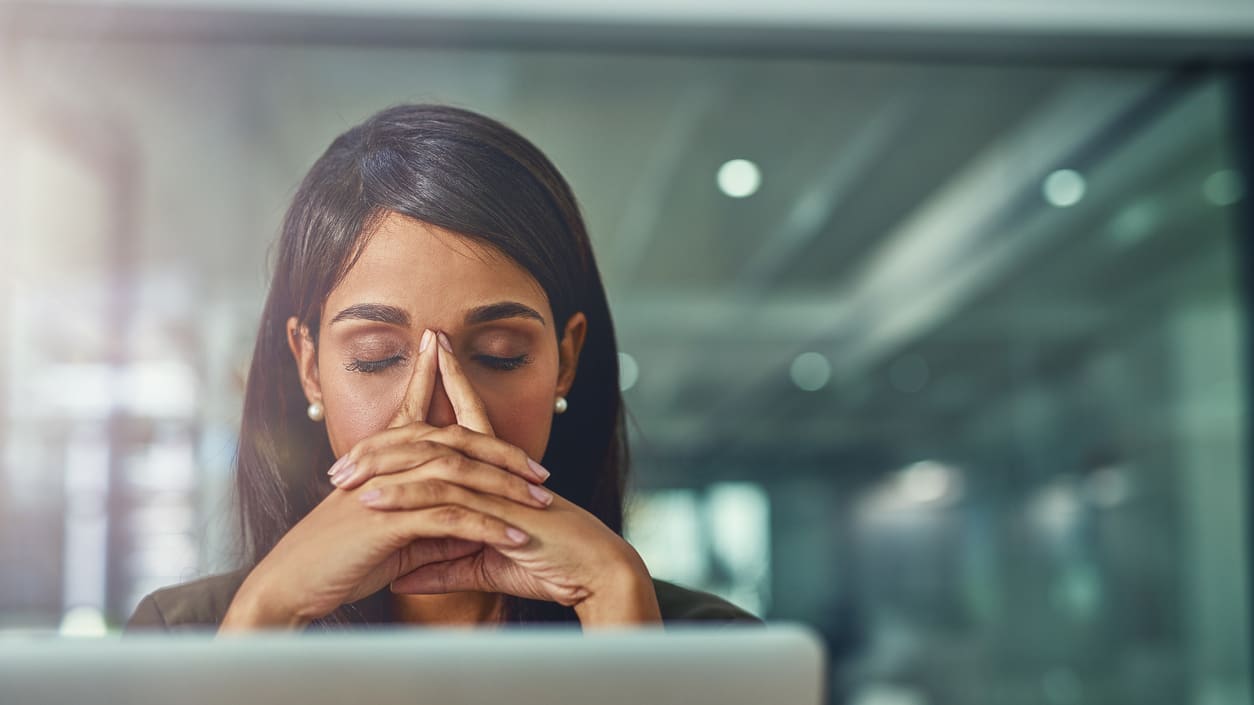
306	356
568	352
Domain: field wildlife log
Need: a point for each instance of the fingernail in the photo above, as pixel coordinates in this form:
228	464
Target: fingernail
370	497
426	340
448	347
516	536
339	463
539	470
341	476
540	494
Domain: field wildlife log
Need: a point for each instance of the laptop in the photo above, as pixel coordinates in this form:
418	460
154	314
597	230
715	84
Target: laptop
727	665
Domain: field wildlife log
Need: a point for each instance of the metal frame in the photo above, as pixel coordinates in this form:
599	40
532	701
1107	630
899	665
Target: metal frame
1165	47
1243	143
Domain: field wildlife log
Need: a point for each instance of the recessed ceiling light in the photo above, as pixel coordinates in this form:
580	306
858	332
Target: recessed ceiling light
1063	188
739	178
927	481
810	371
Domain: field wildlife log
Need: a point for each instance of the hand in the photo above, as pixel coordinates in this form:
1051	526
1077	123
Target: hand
571	557
343	551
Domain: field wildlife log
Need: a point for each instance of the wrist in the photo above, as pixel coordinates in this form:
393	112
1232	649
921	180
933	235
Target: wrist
254	607
624	597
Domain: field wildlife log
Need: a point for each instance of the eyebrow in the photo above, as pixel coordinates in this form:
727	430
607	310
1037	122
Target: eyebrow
500	310
382	313
394	315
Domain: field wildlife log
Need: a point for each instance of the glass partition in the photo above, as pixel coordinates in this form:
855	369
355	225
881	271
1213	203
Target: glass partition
942	358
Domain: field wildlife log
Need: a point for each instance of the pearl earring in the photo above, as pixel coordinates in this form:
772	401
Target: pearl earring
315	411
560	405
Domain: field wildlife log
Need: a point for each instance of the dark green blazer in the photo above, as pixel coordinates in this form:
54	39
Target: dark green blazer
201	604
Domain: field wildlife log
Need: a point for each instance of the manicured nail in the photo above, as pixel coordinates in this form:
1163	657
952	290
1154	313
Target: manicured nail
540	494
426	340
338	464
539	470
516	536
343	474
448	347
370	497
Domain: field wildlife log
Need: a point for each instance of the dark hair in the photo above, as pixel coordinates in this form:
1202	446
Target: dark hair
471	175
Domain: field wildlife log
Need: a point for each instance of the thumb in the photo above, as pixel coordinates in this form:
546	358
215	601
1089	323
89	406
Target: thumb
427	551
457	575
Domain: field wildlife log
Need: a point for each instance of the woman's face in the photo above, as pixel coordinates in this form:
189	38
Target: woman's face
412	276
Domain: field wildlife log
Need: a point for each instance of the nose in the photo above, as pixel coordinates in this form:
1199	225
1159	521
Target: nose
441	412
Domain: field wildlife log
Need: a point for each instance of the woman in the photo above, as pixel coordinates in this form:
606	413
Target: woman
437	335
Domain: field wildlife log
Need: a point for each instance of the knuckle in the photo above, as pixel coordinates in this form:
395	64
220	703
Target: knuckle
490	525
455	494
426	467
365	467
518	488
430	447
518	457
451	514
457	462
433	491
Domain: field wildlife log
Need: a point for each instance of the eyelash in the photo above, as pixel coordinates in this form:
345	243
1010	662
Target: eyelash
503	364
372	366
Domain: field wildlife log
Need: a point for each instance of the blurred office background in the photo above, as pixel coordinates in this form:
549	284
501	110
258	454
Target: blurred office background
932	324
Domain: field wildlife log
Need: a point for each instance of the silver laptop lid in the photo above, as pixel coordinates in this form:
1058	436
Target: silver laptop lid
750	665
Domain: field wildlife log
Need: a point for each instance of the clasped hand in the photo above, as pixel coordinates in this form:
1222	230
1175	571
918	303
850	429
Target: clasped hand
429	509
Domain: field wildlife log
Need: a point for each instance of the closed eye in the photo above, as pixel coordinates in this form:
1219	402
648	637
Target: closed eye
372	366
504	364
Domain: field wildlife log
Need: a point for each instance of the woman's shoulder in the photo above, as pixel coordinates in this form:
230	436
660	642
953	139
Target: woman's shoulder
680	604
199	604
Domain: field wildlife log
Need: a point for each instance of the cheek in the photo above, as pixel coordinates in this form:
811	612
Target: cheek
520	406
358	406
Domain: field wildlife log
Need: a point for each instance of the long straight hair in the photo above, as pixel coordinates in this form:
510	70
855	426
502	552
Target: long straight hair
469	174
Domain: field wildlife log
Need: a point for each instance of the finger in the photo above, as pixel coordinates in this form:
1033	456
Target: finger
422	552
469	408
417	397
454	522
464	475
458	575
384	453
490	449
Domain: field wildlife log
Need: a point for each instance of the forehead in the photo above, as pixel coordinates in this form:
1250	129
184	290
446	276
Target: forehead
433	273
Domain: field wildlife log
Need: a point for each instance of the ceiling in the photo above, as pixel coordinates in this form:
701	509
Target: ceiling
899	231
